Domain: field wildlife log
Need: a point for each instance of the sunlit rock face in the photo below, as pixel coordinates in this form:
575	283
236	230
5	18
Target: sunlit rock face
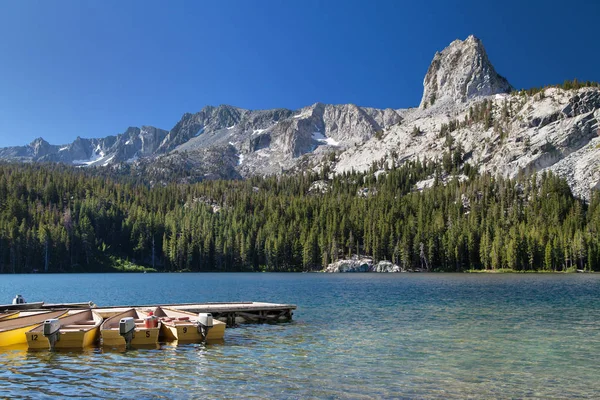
461	72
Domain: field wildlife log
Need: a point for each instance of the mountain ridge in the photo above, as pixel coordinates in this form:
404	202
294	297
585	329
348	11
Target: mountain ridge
513	132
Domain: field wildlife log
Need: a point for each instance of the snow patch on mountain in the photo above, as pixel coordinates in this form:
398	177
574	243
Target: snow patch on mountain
319	137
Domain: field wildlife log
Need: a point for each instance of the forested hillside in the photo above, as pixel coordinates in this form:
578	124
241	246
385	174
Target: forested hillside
62	219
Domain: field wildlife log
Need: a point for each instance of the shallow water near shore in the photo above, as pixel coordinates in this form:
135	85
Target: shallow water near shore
353	336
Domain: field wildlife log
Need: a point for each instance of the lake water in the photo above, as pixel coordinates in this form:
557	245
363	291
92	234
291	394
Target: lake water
353	336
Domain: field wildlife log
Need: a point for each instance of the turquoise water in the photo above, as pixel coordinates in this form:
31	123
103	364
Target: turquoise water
353	336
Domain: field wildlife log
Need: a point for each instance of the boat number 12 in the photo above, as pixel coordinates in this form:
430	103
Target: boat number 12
34	337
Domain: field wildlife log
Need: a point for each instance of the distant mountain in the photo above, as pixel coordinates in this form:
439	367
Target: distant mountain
126	147
466	107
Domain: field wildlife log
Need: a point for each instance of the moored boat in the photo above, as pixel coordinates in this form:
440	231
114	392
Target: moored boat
77	330
187	327
21	306
13	330
130	328
8	315
25	313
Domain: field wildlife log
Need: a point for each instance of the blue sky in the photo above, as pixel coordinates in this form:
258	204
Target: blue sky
92	68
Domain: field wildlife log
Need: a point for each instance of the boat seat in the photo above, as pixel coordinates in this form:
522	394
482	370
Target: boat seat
182	322
76	326
88	323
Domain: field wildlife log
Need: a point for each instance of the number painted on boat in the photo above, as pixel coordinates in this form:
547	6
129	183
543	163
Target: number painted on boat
185	329
34	337
147	333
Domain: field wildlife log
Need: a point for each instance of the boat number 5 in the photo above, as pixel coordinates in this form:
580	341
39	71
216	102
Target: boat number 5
147	333
34	337
185	329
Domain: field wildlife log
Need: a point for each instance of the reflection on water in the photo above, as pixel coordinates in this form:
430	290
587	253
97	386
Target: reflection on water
353	336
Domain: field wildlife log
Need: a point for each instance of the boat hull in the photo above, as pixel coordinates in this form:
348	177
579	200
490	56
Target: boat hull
189	333
15	336
9	315
141	337
14	327
68	340
78	330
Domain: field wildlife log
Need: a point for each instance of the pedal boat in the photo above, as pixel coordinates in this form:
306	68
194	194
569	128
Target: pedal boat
128	329
187	327
13	327
77	330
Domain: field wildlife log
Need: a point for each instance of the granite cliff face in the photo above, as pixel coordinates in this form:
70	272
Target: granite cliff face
554	130
462	71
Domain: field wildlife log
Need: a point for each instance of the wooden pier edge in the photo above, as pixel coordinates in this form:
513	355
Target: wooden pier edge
242	313
231	313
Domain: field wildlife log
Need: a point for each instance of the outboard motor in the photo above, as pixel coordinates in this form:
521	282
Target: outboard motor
19	300
52	331
205	322
127	329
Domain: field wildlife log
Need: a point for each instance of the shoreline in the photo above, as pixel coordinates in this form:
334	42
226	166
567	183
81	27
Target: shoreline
149	271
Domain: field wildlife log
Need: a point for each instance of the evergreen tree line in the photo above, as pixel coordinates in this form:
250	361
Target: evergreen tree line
566	85
58	219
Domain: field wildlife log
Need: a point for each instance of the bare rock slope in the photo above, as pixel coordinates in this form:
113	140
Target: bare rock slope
466	105
462	71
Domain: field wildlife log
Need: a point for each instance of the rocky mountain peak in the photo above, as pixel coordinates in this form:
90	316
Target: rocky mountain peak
38	141
460	72
40	147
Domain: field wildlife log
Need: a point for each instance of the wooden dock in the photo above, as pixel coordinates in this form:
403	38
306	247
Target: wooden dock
230	313
236	313
40	305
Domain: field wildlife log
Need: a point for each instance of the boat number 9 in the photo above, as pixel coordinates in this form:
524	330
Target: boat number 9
34	337
185	329
147	333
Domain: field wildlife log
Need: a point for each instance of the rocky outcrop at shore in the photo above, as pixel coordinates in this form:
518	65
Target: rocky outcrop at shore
362	265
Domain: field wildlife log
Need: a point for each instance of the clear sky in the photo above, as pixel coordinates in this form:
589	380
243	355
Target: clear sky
91	68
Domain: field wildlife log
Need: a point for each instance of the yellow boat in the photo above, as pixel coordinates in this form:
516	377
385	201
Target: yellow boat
12	330
9	315
129	329
187	327
77	330
26	313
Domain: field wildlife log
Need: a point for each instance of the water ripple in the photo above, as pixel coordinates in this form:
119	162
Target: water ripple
359	337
